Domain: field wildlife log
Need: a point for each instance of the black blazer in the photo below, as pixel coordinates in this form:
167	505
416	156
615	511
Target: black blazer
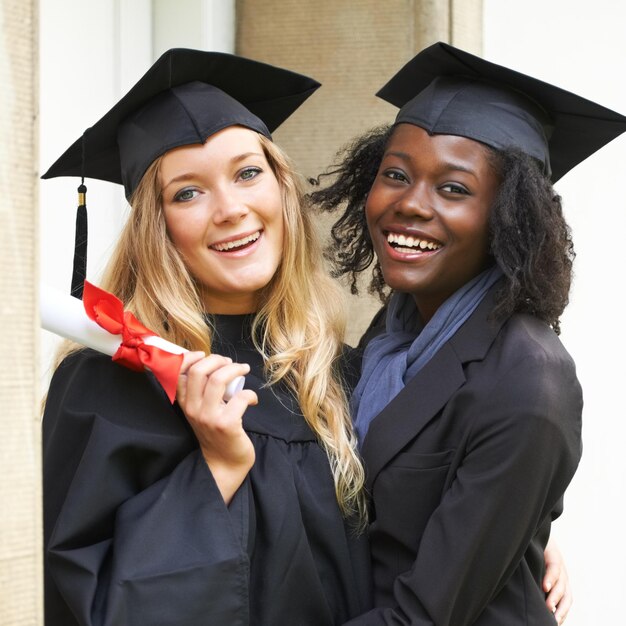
466	468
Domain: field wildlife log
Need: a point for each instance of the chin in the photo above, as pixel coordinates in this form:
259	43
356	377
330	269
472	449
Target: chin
401	283
252	287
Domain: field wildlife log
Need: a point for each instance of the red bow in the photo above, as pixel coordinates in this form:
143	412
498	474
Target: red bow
108	312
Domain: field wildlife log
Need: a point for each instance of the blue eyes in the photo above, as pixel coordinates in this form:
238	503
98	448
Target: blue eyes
249	173
184	195
189	193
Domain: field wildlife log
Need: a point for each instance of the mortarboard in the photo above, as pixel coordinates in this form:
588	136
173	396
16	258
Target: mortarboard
449	91
184	98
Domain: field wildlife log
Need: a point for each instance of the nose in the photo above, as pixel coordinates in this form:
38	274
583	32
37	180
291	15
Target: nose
416	202
228	207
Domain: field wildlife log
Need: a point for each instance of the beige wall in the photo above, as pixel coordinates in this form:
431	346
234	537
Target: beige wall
20	601
352	48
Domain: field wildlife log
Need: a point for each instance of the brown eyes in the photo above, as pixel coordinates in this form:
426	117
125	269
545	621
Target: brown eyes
454	188
400	176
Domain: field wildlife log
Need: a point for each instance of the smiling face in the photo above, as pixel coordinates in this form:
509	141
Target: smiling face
223	211
428	213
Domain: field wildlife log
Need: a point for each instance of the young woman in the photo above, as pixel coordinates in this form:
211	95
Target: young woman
468	409
145	520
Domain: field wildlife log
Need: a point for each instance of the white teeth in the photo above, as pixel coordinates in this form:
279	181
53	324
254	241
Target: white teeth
221	247
408	243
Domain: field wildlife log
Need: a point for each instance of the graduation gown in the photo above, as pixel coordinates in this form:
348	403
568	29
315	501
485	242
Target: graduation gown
467	467
136	531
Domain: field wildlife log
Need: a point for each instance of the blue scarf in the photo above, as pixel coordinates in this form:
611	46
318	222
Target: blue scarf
394	357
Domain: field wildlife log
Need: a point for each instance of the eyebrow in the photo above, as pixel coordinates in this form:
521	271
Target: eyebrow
191	175
448	166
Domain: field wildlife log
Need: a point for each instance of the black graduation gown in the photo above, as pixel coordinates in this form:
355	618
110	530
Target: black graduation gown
136	531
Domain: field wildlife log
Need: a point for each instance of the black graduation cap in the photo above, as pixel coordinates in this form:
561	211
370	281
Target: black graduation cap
184	98
449	91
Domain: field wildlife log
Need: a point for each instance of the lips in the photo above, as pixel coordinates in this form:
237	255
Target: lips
238	242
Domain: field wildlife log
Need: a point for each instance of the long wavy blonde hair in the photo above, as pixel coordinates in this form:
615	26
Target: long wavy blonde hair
298	328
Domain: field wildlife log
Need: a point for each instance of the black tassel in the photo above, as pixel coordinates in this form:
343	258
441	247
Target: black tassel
79	272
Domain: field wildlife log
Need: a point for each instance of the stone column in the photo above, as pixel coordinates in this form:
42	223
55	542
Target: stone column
352	48
20	523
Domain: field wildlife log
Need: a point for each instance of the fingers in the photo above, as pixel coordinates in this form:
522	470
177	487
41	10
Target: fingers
243	399
553	572
557	591
203	376
202	386
556	583
210	382
560	598
195	370
189	358
563	608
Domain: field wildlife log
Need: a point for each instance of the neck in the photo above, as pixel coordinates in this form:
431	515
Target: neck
232	304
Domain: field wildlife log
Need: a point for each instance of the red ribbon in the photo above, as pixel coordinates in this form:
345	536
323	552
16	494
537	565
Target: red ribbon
108	312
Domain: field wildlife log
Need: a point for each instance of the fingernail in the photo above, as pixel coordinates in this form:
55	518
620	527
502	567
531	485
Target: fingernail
548	585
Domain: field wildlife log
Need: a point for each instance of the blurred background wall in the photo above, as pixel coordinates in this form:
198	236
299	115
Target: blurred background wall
91	51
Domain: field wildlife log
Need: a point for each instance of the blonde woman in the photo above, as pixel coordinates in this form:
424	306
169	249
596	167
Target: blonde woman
174	514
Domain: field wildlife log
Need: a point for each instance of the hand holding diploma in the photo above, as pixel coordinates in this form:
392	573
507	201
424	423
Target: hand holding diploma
218	425
100	322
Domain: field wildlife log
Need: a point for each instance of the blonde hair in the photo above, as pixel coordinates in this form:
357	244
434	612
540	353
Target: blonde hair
298	328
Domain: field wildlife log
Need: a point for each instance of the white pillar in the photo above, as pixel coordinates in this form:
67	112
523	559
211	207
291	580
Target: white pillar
90	53
201	24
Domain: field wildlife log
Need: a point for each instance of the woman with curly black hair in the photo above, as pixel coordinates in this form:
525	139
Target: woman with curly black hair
530	240
468	409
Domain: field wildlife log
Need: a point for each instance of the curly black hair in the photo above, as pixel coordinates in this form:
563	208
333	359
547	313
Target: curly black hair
529	238
351	250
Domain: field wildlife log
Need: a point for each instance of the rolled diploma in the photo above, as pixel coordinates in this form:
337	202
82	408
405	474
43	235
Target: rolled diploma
65	315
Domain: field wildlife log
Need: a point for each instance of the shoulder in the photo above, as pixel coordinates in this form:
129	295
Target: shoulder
518	354
528	379
524	339
87	383
109	428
